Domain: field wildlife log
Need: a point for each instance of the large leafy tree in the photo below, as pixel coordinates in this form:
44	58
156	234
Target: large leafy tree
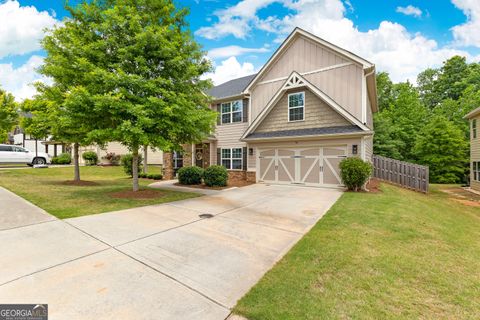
132	73
442	146
8	114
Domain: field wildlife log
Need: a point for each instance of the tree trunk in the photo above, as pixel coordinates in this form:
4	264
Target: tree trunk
76	164
145	153
135	168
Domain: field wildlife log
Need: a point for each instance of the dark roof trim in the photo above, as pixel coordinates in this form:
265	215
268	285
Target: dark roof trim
306	132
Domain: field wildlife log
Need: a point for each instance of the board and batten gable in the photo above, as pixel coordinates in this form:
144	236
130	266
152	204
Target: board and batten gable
316	114
338	77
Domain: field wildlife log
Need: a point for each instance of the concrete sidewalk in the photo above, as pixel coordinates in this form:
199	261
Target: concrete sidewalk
17	212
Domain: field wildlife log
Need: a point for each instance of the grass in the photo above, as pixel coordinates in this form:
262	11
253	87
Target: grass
43	188
391	255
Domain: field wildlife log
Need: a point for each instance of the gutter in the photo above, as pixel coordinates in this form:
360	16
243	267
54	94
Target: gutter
311	137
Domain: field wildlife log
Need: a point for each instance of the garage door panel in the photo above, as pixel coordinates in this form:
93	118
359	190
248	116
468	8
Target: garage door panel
267	169
334	151
286	170
310	170
310	152
331	171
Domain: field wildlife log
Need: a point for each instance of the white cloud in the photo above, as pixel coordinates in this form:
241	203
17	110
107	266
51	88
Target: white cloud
234	20
410	11
468	34
21	28
390	46
231	69
18	80
230	51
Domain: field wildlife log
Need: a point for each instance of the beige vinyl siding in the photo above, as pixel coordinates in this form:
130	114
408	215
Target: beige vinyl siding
474	152
154	157
349	142
316	112
343	84
228	136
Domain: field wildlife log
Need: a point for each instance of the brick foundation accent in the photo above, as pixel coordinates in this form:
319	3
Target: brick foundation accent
251	176
168	173
248	176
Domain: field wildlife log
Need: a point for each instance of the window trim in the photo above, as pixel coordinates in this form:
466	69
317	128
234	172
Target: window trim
297	107
476	171
474	128
232	158
231	112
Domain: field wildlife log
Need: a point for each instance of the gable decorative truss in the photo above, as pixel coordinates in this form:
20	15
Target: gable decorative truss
295	80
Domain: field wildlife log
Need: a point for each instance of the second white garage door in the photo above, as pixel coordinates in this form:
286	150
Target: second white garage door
310	166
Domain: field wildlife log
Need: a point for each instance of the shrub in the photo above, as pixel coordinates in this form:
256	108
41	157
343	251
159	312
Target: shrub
155	176
64	158
90	157
355	172
190	175
215	176
142	175
127	161
112	158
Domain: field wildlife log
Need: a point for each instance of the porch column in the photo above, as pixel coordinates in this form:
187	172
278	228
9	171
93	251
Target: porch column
168	172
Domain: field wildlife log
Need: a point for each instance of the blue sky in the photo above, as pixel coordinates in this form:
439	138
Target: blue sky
402	37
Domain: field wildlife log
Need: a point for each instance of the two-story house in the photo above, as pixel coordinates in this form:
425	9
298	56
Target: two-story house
309	107
474	118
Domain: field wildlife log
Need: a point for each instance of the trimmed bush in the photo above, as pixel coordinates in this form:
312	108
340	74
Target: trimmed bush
90	157
127	161
155	176
355	172
64	158
142	175
190	175
215	176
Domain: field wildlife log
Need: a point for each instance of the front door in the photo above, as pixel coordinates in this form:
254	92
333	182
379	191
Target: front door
202	155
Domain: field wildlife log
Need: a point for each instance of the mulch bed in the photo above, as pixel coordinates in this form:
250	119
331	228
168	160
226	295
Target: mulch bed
238	184
373	186
81	183
140	194
463	196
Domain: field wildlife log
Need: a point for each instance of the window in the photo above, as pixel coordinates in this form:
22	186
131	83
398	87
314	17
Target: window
476	169
231	112
474	128
232	158
177	160
296	106
18	149
6	148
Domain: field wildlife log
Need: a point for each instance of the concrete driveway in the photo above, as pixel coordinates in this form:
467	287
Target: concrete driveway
161	261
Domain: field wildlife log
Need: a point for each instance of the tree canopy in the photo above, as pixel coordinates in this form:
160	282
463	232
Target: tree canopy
130	71
424	123
8	114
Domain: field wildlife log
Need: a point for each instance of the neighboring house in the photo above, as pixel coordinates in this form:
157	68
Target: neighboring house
20	138
474	119
309	107
153	157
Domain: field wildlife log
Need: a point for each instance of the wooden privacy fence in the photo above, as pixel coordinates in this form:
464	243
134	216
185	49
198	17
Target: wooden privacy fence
404	174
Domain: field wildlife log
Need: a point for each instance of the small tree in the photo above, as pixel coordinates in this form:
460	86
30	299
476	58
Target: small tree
444	148
144	70
8	114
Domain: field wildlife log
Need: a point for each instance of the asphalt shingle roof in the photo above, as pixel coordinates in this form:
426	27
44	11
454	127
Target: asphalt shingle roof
304	132
231	88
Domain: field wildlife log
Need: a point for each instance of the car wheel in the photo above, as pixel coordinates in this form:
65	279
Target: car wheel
39	161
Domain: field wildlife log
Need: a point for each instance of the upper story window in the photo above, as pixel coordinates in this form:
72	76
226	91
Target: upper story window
296	106
474	128
231	111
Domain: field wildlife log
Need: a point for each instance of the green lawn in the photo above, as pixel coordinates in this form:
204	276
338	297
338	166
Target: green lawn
391	255
44	188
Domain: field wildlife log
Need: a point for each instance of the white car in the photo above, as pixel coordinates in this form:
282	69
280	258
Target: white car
15	154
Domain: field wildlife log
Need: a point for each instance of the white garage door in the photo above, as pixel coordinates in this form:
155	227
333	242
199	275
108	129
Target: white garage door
310	166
